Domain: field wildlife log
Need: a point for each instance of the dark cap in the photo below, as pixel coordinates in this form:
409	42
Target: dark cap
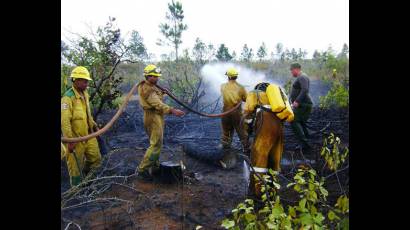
295	66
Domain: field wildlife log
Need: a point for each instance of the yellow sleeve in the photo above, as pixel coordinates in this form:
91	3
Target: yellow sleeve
155	101
243	94
66	115
250	104
63	151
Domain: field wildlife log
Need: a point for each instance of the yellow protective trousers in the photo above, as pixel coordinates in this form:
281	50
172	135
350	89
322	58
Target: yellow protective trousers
154	127
85	157
267	148
231	123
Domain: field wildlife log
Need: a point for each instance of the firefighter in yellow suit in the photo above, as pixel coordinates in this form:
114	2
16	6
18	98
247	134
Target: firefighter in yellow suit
151	101
267	147
77	121
233	93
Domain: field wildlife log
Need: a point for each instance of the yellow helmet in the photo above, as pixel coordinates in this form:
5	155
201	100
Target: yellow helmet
152	70
232	72
80	72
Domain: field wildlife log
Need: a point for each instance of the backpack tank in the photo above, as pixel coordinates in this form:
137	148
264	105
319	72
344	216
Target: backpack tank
279	103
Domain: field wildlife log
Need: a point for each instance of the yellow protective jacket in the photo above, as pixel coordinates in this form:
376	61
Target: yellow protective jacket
232	93
151	98
76	118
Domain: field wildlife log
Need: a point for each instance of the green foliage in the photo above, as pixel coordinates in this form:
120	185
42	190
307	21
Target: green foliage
199	51
100	54
271	216
246	54
137	47
331	152
344	52
65	80
184	80
338	96
223	53
173	28
311	211
262	52
279	50
294	56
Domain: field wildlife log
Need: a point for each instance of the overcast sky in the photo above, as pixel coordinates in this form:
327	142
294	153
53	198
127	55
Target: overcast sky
306	24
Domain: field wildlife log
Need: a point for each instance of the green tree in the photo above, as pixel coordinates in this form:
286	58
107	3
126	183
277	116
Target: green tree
223	53
287	55
173	28
316	56
246	54
101	55
302	54
211	52
262	52
279	50
234	55
137	47
294	55
344	52
64	49
185	55
199	51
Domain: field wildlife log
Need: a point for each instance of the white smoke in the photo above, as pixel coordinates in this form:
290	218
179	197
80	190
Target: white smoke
214	76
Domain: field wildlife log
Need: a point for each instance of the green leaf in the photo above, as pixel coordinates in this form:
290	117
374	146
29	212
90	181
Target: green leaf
312	171
264	210
297	188
323	191
313	209
306	219
299	179
302	203
277	186
343	203
292	211
249	201
312	196
332	216
249	217
250	226
290	184
344	224
227	224
317	227
276	211
318	218
311	186
271	225
249	210
264	197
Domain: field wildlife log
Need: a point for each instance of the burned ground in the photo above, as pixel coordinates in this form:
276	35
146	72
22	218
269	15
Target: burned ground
209	192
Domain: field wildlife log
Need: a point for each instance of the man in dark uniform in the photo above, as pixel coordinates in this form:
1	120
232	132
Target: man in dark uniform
302	106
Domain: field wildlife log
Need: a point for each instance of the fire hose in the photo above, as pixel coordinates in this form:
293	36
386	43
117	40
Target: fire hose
194	111
122	108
